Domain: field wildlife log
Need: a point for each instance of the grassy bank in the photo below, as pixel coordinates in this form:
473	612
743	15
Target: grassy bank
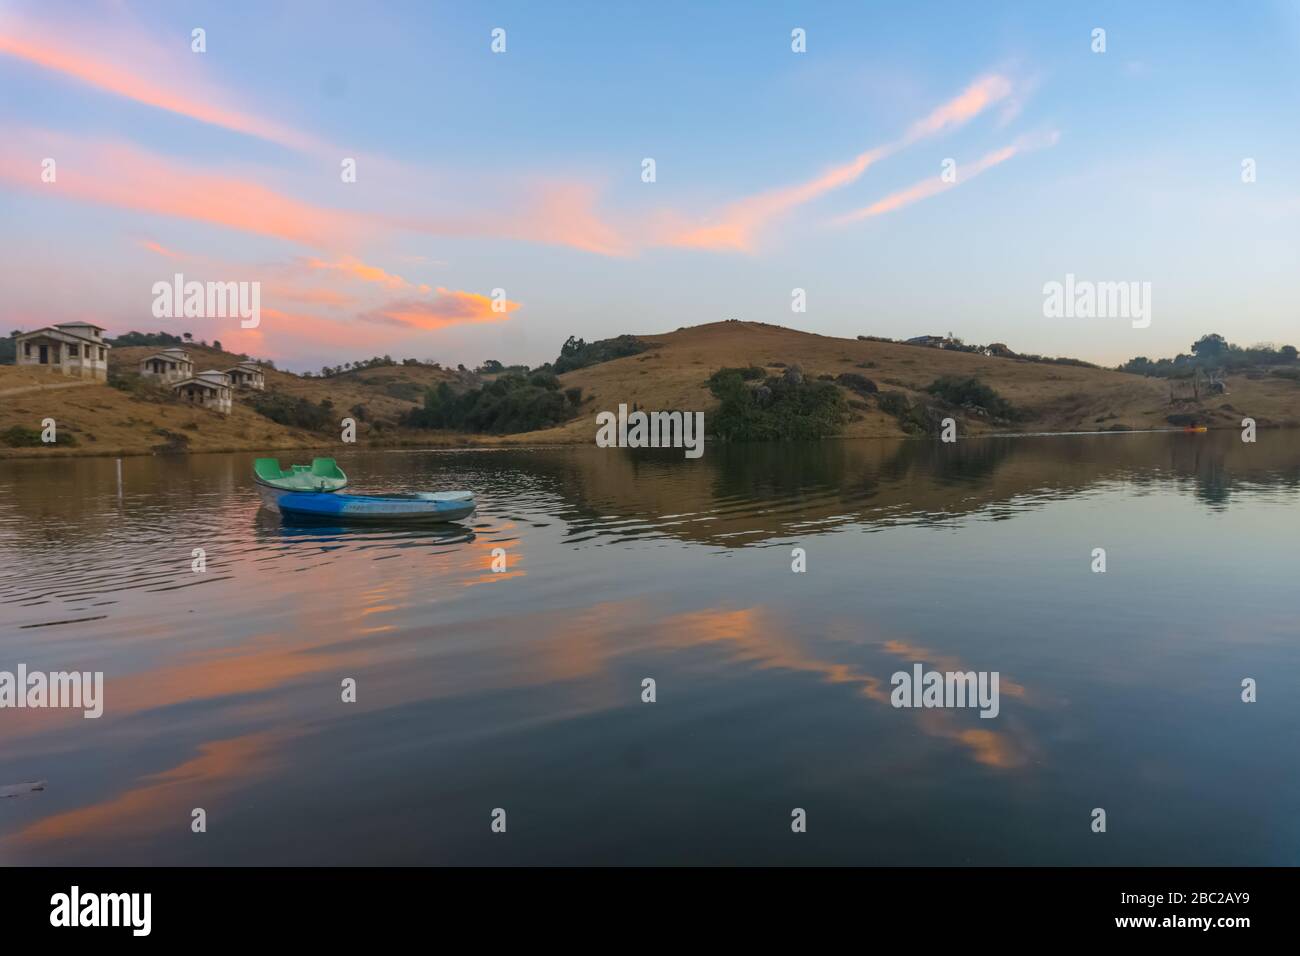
881	389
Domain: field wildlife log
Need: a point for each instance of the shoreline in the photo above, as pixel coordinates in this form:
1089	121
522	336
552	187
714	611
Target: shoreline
490	442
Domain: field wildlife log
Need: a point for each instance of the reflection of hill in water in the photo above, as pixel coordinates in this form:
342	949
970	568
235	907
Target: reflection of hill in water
745	494
733	496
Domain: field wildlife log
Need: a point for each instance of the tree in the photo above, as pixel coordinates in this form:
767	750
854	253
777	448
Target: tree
1210	348
1288	353
216	344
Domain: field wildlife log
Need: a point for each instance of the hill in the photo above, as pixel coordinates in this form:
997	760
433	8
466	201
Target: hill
139	418
103	420
673	374
885	387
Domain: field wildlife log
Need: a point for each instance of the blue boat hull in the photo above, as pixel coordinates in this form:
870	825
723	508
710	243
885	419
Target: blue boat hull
421	506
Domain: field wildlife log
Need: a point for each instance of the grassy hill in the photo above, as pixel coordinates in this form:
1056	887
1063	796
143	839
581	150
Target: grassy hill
385	391
140	418
672	373
103	420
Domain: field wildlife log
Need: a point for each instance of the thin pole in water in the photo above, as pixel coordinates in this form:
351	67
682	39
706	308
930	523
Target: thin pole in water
119	478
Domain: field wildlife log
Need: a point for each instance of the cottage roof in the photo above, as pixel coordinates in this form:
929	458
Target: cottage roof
62	334
201	383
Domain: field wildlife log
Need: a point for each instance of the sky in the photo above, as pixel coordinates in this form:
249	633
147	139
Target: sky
502	200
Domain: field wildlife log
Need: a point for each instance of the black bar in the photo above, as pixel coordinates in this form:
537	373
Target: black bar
336	905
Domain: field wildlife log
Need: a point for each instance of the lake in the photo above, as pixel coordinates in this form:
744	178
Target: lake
522	689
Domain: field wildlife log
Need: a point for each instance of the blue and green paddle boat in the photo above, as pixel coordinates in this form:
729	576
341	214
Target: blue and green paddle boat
313	492
273	482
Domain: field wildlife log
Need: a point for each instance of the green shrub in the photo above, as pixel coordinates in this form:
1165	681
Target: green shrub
785	408
894	403
511	404
406	391
576	353
971	392
296	412
22	437
858	383
914	419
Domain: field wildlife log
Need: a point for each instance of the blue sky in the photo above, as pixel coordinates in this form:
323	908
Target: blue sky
522	171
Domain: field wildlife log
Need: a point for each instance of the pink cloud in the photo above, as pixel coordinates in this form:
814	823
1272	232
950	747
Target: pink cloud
449	307
118	174
968	104
739	225
126	176
160	249
742	221
84	63
934	185
354	268
561	213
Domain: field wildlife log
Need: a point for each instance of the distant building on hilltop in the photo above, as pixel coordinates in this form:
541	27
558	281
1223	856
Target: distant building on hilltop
932	341
72	348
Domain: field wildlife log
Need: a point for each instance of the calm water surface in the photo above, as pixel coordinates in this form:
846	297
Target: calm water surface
522	689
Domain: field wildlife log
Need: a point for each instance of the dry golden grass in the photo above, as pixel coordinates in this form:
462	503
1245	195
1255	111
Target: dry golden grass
379	389
106	421
672	374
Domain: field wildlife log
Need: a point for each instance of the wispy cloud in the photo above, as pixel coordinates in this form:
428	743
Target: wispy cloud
448	307
961	109
184	95
354	268
564	213
556	212
125	176
160	249
129	177
738	226
740	223
327	297
934	185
